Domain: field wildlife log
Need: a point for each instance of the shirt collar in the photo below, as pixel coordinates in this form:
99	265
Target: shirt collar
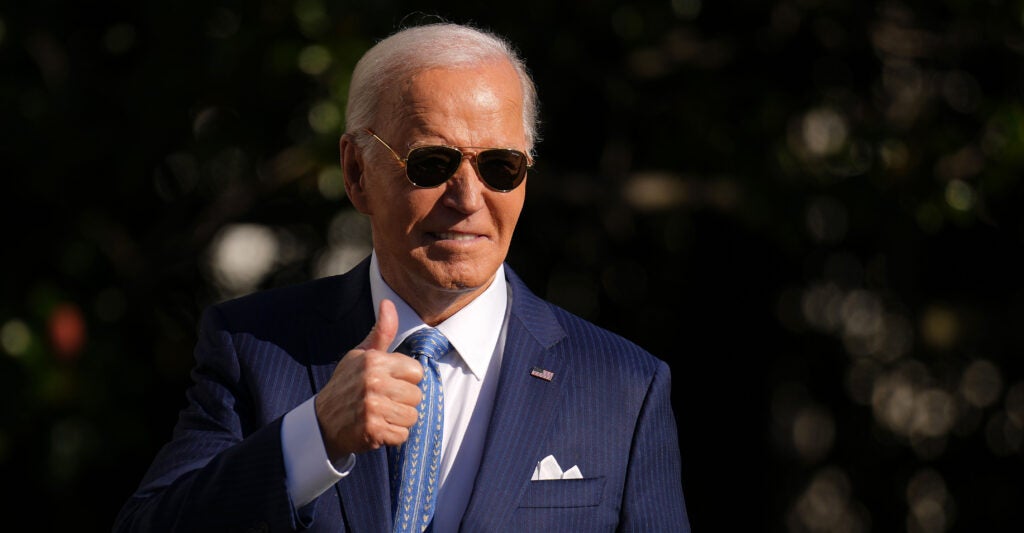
473	331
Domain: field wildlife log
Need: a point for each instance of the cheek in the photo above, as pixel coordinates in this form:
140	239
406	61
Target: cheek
406	212
508	211
396	201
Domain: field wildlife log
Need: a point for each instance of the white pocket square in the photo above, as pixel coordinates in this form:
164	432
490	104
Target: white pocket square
548	469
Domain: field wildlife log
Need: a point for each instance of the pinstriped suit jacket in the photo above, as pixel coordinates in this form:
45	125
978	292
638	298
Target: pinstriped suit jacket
607	410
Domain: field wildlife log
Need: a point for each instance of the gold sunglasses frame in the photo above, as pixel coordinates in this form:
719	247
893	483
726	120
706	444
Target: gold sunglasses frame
403	162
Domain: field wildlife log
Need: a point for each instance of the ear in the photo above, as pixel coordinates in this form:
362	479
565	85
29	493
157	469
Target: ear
352	166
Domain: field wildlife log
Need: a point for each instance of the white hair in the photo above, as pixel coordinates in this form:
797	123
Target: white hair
409	51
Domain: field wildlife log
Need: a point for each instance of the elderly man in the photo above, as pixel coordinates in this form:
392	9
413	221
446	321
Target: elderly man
427	388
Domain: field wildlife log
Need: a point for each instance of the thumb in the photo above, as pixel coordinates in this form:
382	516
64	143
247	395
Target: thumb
384	330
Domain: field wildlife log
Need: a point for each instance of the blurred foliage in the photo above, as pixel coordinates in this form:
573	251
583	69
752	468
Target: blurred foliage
821	196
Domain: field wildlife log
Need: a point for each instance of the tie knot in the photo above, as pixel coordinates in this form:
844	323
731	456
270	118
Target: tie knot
427	341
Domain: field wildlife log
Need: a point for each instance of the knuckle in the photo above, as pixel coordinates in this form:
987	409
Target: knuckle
370	405
374	428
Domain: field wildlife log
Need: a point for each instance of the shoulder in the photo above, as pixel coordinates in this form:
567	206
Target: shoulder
326	297
580	341
603	348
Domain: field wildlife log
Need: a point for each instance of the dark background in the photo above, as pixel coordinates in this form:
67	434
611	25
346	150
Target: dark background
808	208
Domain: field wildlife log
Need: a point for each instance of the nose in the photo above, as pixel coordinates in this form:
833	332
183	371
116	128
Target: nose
464	191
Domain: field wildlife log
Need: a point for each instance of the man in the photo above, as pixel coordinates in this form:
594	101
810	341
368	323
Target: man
303	416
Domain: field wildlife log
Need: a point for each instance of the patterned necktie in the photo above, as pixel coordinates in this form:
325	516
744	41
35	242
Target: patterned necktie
415	465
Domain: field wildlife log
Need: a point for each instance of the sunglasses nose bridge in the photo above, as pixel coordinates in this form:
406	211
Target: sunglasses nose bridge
470	157
464	190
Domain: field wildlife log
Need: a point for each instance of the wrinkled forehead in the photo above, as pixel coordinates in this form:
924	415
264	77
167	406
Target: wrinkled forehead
492	84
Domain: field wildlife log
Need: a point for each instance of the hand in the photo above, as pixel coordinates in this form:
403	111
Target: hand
371	399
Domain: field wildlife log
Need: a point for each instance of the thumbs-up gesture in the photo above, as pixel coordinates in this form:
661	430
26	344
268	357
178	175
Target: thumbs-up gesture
371	398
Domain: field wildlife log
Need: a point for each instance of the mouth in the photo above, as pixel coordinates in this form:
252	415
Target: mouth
455	236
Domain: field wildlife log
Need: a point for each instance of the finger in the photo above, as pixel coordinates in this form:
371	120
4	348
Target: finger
402	415
383	332
406	369
396	436
405	393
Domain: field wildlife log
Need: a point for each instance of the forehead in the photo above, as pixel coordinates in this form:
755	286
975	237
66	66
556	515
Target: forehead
461	106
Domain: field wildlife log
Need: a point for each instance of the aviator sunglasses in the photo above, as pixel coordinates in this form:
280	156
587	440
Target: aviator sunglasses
501	169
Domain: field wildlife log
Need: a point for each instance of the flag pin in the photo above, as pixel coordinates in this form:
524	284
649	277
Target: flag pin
541	373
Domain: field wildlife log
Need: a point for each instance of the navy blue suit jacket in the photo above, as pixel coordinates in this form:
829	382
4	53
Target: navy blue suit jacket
607	410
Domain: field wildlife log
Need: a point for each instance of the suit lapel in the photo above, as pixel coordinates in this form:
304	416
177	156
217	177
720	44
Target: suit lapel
347	317
523	407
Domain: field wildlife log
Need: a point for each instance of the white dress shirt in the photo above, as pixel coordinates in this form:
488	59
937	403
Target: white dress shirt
469	377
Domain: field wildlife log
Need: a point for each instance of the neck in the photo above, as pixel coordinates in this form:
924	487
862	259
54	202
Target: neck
436	306
433	303
432	297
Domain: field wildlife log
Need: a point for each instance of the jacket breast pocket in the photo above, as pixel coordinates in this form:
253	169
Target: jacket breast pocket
563	493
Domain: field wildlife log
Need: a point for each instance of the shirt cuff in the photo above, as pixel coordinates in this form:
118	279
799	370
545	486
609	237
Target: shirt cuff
308	471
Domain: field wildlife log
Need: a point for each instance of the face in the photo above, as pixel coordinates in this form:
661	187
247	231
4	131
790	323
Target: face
442	244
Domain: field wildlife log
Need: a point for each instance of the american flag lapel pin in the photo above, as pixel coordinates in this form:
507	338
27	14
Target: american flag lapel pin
541	373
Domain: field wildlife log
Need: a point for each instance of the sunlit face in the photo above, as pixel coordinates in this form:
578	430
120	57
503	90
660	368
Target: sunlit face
449	239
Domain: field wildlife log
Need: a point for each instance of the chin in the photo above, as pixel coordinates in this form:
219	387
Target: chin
453	278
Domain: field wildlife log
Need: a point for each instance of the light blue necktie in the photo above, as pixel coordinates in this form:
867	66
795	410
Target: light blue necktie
416	465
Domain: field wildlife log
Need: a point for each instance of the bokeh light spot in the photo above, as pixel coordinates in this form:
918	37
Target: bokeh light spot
655	191
241	256
349	241
960	195
813	433
981	383
821	305
895	156
312	16
314	59
15	337
826	505
940	327
929	503
824	132
67	330
862	314
934	413
903	402
892	400
964	163
324	117
331	183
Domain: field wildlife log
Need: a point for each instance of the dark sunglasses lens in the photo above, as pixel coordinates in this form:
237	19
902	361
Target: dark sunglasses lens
431	166
501	169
